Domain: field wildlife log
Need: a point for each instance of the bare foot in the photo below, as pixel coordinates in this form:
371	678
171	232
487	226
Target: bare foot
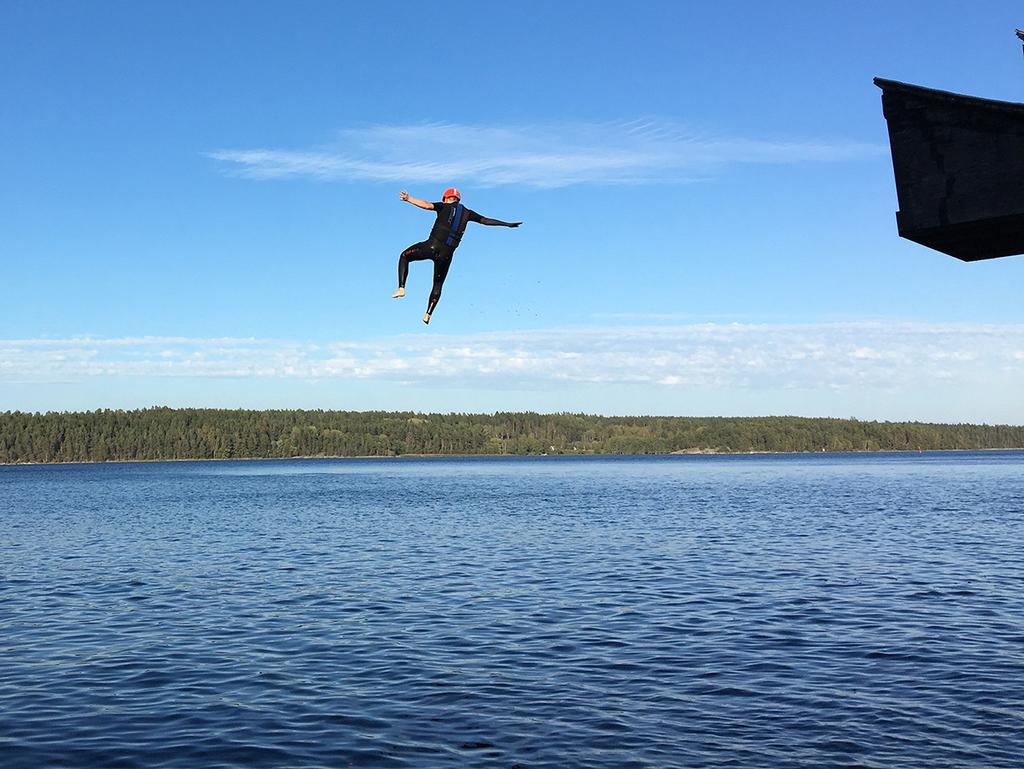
426	318
398	294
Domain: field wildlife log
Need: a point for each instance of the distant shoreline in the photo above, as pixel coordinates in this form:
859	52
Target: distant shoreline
165	434
575	455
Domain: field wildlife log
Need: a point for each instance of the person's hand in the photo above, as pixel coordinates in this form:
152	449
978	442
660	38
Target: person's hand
514	224
403	195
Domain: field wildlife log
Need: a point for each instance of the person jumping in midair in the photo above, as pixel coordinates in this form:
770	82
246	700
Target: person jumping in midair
439	247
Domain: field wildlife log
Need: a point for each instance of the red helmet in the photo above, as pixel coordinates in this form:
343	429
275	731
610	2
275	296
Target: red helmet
451	192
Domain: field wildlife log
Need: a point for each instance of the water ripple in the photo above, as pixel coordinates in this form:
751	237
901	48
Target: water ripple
844	611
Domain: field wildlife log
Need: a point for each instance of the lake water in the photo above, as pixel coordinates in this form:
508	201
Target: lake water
723	611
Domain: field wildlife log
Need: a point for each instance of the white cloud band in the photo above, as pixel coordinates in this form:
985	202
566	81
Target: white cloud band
898	356
549	155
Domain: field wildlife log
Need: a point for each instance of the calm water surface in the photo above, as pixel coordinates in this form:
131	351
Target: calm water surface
745	611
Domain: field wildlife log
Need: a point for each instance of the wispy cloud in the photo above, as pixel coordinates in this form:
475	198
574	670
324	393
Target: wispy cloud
545	155
895	356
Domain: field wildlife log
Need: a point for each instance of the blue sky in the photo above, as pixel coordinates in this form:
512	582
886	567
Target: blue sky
200	208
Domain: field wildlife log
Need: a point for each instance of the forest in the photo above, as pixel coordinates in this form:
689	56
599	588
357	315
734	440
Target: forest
165	434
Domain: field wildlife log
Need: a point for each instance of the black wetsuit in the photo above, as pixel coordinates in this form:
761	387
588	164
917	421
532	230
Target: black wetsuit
440	246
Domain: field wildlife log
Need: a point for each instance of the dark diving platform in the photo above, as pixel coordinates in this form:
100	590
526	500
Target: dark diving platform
959	167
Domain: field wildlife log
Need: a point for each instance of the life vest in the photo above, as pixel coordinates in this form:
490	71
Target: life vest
449	227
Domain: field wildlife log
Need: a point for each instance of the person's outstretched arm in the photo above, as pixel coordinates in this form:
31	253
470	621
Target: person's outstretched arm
416	201
495	222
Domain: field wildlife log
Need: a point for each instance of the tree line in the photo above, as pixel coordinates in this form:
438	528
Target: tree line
165	433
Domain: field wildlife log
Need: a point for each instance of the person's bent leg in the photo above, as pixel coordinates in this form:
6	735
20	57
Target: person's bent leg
414	253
